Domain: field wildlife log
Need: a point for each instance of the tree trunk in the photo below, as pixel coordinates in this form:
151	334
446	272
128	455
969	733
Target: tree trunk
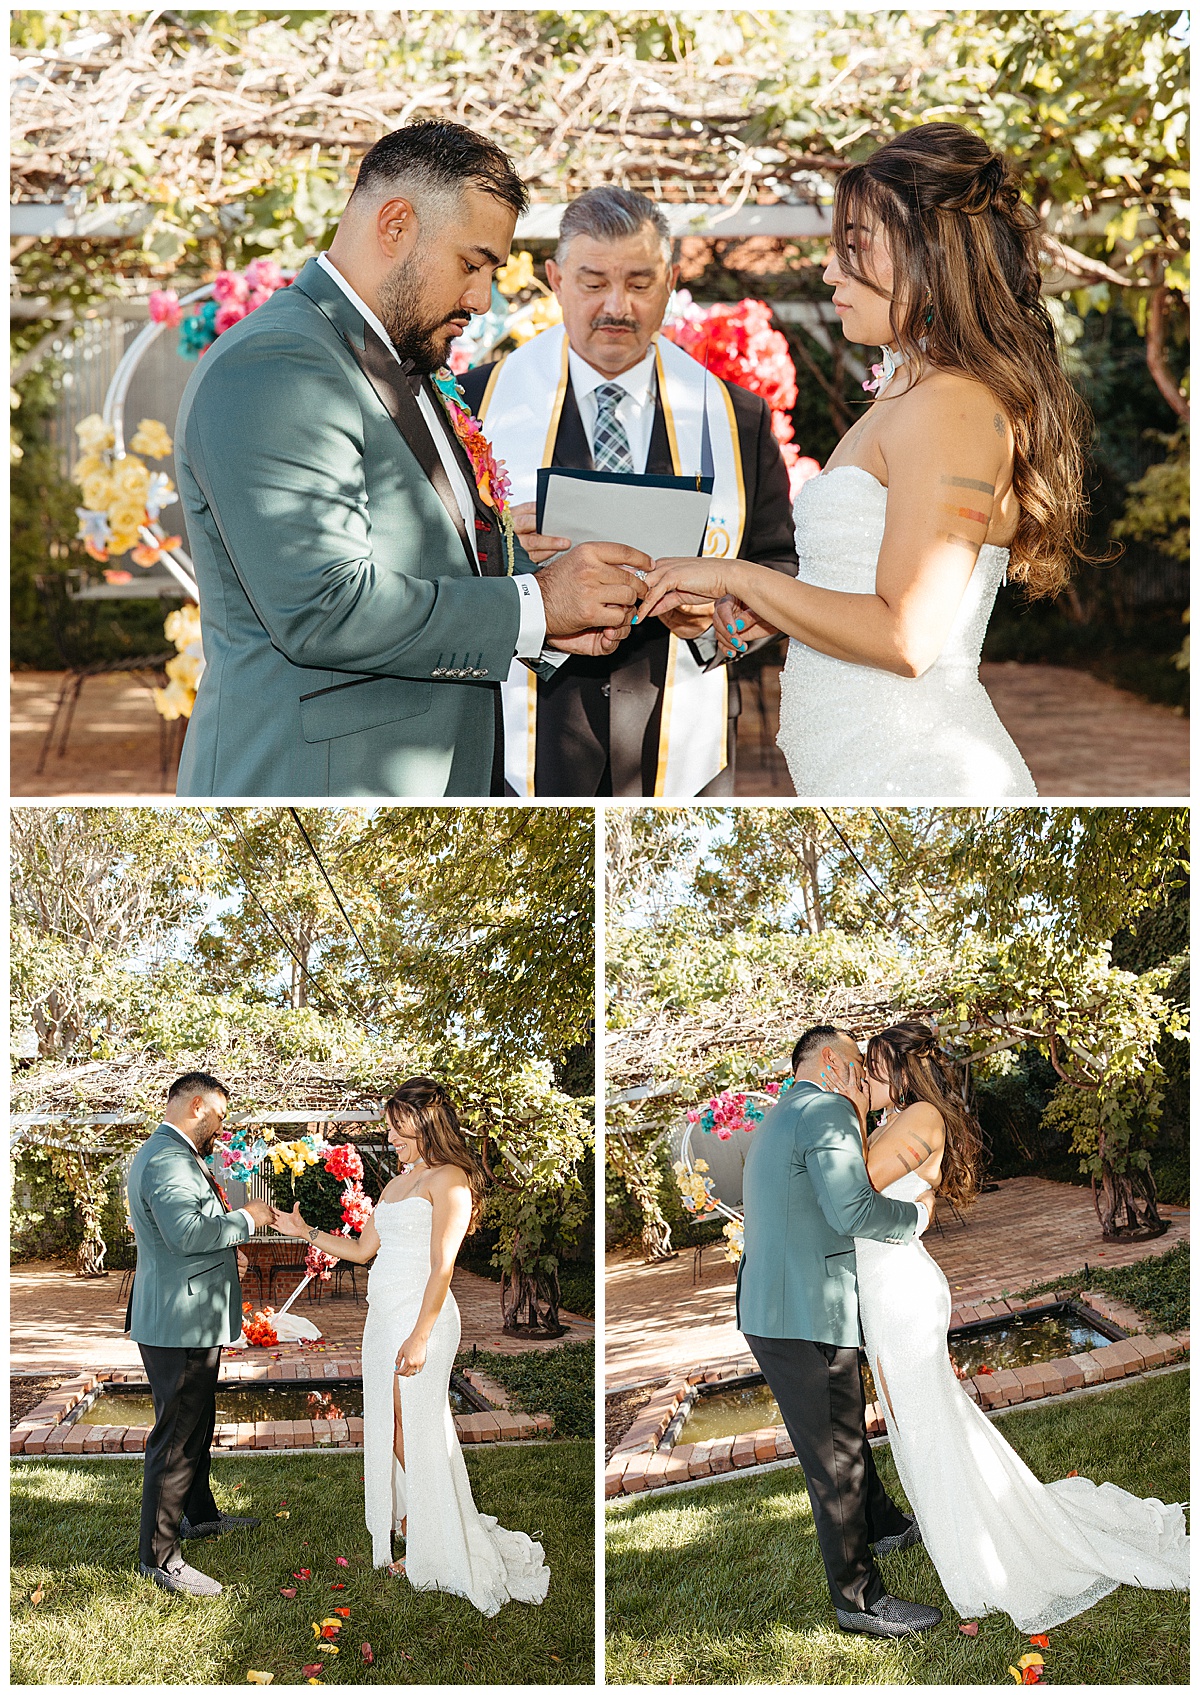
635	1167
90	1258
1127	1206
1156	357
529	1303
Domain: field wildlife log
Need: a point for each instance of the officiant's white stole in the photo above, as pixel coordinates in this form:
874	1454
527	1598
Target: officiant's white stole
520	412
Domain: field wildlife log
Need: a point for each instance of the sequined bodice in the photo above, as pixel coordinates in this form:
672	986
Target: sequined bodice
404	1230
856	730
839	530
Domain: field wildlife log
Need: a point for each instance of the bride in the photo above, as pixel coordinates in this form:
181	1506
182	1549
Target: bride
416	1481
1000	1540
966	468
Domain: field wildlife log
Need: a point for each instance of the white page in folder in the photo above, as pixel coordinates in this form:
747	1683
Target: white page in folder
666	523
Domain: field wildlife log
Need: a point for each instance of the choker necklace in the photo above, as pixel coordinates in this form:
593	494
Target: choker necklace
881	375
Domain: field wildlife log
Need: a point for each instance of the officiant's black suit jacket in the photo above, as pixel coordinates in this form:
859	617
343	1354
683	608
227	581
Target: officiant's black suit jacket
598	720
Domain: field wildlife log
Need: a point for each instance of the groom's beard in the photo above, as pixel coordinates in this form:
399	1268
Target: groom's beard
404	316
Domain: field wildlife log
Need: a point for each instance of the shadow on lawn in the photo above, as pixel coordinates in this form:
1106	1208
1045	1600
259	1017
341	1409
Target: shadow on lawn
74	1531
725	1584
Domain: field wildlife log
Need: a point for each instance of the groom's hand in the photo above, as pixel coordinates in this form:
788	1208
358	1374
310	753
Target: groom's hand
261	1212
592	589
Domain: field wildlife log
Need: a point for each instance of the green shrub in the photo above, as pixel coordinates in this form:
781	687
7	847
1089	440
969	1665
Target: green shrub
560	1381
1159	1287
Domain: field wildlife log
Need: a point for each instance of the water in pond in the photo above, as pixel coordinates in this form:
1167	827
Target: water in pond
736	1412
249	1405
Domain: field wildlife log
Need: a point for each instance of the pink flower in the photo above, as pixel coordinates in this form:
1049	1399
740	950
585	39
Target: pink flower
459	360
264	274
228	286
231	313
165	307
258	298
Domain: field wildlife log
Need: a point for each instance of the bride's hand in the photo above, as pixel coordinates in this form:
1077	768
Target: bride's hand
411	1357
290	1223
735	626
683	582
848	1080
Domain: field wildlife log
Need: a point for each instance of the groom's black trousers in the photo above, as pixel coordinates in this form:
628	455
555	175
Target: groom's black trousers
820	1394
183	1382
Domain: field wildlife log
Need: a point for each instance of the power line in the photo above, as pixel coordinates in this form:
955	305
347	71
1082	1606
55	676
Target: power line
371	965
313	976
863	868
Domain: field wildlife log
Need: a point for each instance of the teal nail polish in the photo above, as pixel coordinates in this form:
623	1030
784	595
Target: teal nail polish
635	618
741	623
729	627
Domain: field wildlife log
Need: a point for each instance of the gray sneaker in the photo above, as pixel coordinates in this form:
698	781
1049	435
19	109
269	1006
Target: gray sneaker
905	1539
890	1616
184	1580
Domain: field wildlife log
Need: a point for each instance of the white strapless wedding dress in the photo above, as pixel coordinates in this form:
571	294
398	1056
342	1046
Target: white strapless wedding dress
855	730
1000	1540
449	1546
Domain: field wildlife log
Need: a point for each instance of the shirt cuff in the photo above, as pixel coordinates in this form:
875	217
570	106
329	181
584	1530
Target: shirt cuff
531	636
249	1219
923	1221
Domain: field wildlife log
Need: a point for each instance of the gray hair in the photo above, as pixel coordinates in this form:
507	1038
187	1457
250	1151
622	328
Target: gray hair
608	214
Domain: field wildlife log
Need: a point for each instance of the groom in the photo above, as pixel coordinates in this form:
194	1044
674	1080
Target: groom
186	1301
357	613
806	1195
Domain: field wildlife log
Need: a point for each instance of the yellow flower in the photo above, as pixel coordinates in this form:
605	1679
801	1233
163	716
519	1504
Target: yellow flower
126	513
91	465
542	315
185	669
174	701
131	477
123	540
94	434
183	626
268	1134
97	490
516	275
151	438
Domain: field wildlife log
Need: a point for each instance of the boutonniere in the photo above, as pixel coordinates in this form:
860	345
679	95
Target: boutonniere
491	479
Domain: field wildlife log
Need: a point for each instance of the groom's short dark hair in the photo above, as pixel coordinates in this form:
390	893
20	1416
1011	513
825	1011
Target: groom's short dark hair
814	1040
196	1083
444	159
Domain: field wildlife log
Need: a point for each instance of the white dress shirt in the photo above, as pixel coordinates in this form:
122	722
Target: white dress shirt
531	635
183	1136
635	410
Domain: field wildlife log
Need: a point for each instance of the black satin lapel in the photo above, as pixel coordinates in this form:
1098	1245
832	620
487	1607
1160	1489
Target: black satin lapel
571	450
387	379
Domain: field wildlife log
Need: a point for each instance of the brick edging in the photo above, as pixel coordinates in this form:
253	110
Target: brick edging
42	1431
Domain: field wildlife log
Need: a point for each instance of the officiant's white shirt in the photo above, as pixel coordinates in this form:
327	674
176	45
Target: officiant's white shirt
635	409
531	635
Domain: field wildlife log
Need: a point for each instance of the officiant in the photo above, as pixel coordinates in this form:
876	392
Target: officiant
605	392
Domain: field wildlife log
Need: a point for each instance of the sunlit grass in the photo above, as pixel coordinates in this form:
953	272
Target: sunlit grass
724	1584
75	1528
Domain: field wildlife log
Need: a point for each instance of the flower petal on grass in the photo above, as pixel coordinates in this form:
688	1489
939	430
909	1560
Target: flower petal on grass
368	1653
337	1585
290	1593
327	1648
313	1671
283	1515
342	1561
969	1627
342	1612
35	1600
1040	1641
260	1677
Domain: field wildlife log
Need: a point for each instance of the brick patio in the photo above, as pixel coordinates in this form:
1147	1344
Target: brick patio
658	1322
59	1322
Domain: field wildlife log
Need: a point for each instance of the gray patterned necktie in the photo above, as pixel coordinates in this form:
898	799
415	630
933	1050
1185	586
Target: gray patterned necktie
611	451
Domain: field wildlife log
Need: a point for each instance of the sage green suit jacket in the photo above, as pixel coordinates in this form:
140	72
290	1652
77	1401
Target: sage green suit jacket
186	1291
806	1195
335	590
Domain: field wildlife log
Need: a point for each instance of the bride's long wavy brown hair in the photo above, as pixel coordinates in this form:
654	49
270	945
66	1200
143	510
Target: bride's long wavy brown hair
422	1109
916	1069
967	297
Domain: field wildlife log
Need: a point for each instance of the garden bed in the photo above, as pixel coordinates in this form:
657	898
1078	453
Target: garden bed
650	1454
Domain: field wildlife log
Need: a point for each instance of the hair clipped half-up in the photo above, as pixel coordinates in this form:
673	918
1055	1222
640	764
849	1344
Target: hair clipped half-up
967	297
916	1068
422	1109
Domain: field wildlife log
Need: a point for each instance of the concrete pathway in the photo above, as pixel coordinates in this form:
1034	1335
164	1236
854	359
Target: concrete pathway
59	1322
1078	736
658	1321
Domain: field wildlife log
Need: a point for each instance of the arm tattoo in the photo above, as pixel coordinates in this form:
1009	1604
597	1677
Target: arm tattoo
959	541
967	512
998	424
913	1160
968	482
921	1142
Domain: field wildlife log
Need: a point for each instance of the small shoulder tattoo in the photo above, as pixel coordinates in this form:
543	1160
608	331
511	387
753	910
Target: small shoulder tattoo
998	424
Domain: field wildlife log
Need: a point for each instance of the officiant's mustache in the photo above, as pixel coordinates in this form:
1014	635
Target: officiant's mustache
604	322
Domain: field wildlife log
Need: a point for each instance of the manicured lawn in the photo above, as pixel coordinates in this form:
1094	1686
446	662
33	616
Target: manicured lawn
74	1531
724	1584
